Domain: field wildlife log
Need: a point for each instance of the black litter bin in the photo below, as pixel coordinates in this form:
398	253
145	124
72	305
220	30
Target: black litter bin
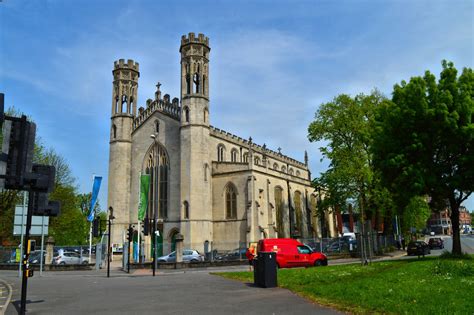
265	270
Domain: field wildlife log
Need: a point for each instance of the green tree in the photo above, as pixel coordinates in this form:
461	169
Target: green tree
424	141
70	227
345	124
416	213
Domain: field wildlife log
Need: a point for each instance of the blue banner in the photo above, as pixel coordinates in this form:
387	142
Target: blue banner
95	194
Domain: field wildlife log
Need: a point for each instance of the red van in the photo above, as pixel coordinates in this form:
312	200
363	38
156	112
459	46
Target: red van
291	253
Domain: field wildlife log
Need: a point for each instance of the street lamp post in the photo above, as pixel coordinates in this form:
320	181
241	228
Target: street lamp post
109	249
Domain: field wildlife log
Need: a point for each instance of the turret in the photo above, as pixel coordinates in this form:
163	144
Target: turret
124	100
195	139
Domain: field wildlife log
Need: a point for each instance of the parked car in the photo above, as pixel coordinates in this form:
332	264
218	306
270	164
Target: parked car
419	248
291	253
189	255
35	257
69	258
235	254
436	242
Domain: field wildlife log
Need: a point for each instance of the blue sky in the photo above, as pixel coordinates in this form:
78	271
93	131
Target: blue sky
272	62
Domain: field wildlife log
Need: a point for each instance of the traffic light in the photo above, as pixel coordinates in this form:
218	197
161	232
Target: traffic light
130	234
20	152
146	226
96	227
43	207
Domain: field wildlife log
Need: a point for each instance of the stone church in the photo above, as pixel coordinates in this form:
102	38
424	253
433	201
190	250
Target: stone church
216	189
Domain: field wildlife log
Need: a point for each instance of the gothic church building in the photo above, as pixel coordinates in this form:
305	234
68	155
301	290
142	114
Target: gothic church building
214	188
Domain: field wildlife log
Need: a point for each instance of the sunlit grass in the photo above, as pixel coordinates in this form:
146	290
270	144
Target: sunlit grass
425	286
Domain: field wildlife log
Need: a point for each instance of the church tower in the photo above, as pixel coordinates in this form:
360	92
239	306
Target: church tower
196	200
124	100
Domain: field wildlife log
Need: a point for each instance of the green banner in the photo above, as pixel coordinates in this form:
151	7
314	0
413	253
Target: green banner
144	189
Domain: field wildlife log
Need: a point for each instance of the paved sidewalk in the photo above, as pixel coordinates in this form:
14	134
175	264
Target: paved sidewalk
5	295
180	293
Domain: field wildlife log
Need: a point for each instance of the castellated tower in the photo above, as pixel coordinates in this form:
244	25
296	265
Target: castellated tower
124	100
194	140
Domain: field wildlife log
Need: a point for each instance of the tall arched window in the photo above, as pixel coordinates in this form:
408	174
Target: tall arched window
220	153
157	126
186	114
206	171
186	210
156	164
233	155
298	213
279	211
230	202
246	157
206	115
114	129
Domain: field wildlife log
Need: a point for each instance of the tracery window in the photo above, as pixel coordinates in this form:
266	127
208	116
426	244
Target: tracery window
156	164
279	211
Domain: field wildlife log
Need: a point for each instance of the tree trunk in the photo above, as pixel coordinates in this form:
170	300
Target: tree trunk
455	226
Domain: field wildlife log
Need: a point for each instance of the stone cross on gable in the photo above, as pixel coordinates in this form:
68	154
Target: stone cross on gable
158	86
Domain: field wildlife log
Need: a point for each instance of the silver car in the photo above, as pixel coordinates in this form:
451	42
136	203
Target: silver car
69	258
189	255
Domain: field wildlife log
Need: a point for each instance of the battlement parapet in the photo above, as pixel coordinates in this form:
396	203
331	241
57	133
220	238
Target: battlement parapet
130	64
171	109
256	147
191	38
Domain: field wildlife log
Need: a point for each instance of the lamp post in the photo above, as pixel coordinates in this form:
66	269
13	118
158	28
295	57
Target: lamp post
109	249
155	218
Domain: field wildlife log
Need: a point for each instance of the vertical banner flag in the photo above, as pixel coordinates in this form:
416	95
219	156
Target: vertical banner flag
144	189
95	194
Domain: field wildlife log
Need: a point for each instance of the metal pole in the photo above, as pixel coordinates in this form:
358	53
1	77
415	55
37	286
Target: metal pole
24	281
128	249
22	225
108	247
42	242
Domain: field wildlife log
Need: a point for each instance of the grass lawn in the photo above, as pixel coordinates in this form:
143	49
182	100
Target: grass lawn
425	286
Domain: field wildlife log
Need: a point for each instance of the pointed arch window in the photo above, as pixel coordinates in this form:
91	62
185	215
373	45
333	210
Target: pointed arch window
298	213
257	160
157	166
220	153
114	130
234	155
186	210
290	171
186	114
231	201
275	166
157	126
279	211
124	104
246	157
